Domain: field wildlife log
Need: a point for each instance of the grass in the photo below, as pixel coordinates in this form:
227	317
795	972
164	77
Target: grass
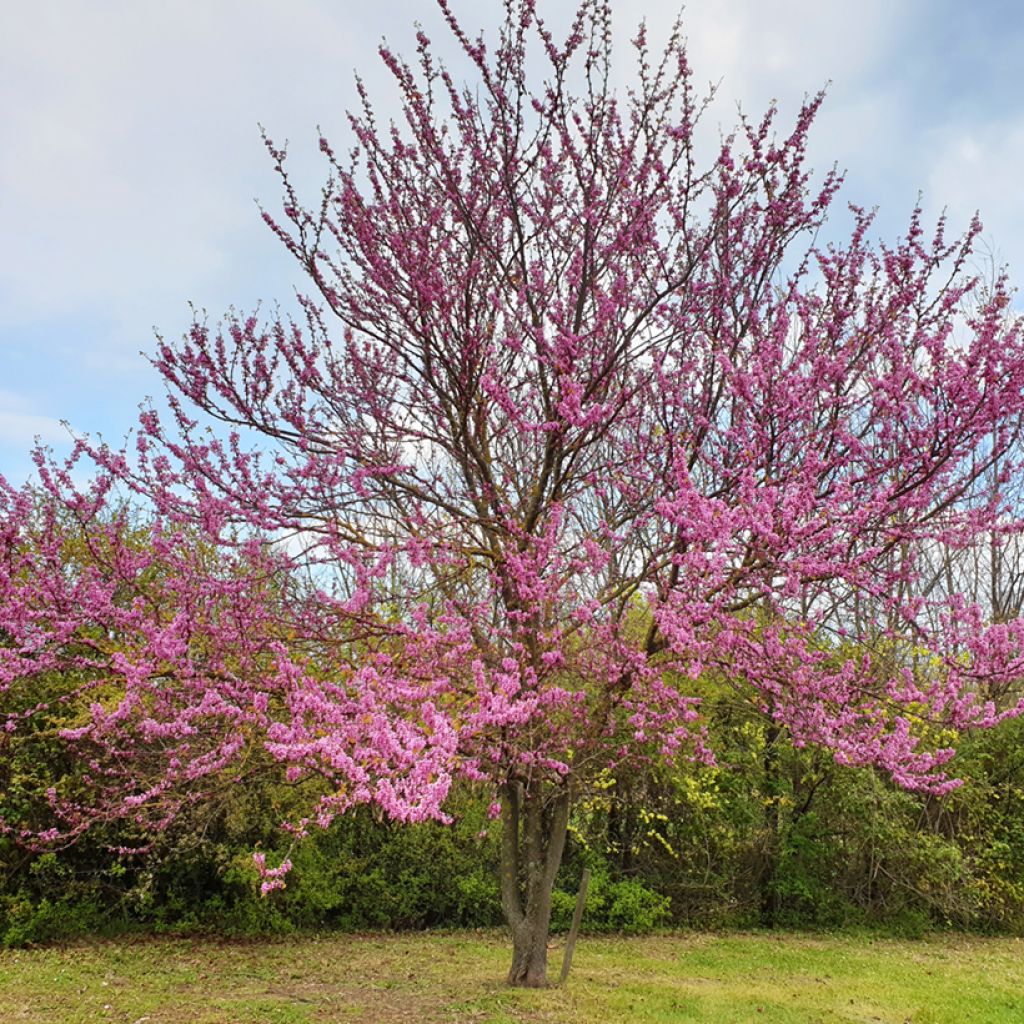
727	979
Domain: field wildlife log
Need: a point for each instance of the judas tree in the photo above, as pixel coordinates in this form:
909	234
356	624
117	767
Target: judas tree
569	418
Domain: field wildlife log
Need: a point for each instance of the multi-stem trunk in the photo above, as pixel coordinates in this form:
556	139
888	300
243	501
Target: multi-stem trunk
534	821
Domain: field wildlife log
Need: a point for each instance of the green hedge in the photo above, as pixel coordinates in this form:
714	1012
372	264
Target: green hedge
772	836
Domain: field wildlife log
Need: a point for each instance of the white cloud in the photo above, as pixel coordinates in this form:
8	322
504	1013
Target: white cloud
130	154
782	49
20	426
976	167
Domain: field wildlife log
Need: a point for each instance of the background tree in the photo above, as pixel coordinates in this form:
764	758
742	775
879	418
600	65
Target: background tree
569	420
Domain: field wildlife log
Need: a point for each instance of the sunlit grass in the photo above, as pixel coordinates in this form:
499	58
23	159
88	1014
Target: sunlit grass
715	979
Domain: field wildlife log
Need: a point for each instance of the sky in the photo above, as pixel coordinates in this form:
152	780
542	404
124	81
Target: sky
131	161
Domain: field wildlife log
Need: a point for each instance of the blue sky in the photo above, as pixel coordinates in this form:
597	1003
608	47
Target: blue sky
130	158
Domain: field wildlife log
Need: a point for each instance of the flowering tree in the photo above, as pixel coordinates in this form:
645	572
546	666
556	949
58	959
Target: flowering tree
567	421
160	656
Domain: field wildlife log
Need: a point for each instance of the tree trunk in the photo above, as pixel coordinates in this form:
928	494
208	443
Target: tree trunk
529	955
534	821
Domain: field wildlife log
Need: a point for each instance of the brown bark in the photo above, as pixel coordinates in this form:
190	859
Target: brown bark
534	824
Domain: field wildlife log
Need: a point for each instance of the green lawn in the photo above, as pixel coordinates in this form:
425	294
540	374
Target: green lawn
713	979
